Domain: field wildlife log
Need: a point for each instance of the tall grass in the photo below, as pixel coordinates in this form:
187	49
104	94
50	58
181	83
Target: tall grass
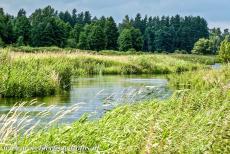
195	120
48	73
16	123
208	60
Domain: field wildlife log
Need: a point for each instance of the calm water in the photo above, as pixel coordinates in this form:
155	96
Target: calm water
95	96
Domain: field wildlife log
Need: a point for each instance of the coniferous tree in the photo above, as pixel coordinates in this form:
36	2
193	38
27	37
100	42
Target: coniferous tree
137	39
6	27
125	40
111	33
22	26
75	33
87	17
97	38
83	41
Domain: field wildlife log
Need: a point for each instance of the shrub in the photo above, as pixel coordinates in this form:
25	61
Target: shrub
224	52
202	46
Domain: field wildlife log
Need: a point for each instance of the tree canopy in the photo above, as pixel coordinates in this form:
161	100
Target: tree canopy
48	27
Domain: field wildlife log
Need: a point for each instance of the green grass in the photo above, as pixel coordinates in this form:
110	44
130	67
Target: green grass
47	73
208	60
195	120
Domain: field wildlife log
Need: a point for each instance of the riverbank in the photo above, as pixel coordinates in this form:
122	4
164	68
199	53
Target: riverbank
48	73
195	120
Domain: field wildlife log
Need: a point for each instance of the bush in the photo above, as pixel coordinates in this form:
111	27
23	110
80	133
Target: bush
202	46
224	52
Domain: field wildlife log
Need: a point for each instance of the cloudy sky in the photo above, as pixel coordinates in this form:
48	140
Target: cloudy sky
216	12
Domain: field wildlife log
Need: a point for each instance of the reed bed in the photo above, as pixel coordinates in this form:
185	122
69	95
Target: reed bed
48	73
195	120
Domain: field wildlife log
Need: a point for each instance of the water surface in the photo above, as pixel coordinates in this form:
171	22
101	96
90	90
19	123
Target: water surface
95	96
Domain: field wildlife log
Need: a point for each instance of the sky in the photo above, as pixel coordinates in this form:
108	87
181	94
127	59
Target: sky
216	12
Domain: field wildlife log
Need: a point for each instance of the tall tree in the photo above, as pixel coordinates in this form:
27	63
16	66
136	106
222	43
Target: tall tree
97	38
126	23
111	33
75	33
125	40
137	39
22	26
87	17
6	28
47	29
83	41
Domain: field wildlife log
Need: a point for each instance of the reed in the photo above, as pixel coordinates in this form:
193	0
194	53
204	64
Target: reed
16	123
195	120
48	73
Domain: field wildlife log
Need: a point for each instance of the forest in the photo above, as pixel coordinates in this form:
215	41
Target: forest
48	27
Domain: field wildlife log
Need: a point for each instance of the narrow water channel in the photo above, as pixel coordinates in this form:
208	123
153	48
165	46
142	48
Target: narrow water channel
95	96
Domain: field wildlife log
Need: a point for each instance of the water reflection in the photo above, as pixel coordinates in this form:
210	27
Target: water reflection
97	95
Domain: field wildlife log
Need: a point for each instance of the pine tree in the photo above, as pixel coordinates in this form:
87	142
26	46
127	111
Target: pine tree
75	33
111	33
97	38
22	26
83	41
87	17
125	40
137	39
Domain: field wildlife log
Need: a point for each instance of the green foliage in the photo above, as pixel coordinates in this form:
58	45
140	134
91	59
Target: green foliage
202	46
22	27
164	39
2	44
47	29
6	28
137	39
71	43
83	41
112	34
97	38
20	41
224	52
75	33
125	40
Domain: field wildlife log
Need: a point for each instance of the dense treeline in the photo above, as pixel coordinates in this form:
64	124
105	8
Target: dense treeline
48	27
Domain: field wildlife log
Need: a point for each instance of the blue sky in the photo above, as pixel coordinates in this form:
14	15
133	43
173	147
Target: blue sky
216	12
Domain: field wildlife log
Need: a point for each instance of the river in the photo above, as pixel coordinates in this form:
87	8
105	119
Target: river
93	96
